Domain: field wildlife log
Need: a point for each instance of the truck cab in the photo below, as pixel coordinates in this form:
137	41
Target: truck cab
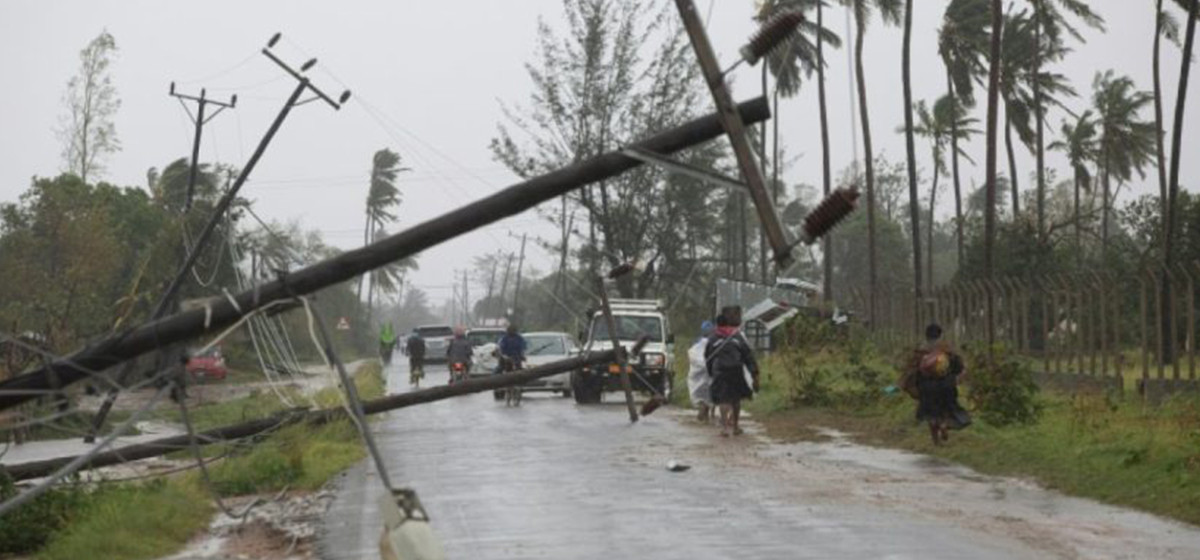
650	372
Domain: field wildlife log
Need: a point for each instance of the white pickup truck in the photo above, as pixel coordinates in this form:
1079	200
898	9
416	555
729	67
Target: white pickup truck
651	372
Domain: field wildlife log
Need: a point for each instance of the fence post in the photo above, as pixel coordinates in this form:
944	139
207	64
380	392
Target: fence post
1145	329
1158	326
1173	336
1191	326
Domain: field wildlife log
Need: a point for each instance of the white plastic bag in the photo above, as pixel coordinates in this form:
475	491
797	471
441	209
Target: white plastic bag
698	380
407	536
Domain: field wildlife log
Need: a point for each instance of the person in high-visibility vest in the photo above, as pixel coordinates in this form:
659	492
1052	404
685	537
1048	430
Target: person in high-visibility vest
387	343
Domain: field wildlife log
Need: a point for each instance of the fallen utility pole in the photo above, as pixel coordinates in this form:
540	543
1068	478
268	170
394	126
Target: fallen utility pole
167	300
163	446
622	359
223	313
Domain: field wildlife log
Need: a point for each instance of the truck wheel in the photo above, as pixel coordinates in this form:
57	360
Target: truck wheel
585	388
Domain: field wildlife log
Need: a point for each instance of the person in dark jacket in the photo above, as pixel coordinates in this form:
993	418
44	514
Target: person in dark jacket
511	348
938	371
728	357
416	351
458	355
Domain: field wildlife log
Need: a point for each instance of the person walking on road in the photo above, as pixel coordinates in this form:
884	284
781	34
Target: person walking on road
387	343
933	374
699	382
728	357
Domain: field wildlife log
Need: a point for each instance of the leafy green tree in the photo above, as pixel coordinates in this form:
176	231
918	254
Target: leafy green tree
621	70
90	102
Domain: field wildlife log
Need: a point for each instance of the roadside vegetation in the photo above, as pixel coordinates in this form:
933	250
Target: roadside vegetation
153	518
1111	447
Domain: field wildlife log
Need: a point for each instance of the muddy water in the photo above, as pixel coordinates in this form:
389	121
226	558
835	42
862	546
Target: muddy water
552	479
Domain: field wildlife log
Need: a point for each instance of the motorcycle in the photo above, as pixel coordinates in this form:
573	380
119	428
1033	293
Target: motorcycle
458	371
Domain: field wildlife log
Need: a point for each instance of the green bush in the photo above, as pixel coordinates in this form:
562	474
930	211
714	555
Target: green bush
1002	388
30	526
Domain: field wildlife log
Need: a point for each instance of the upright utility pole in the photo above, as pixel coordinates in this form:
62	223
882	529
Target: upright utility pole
491	285
517	290
466	289
199	120
165	301
504	285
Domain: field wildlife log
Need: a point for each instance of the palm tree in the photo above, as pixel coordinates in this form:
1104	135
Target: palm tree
989	221
890	11
1165	26
1126	143
1193	13
1048	19
947	121
962	39
798	56
1026	88
911	152
382	197
1078	142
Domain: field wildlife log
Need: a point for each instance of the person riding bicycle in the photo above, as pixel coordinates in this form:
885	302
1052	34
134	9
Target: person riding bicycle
512	347
458	354
416	351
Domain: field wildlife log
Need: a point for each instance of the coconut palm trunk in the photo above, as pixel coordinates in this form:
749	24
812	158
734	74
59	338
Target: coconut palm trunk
958	211
826	171
1176	147
1040	114
989	222
1012	166
869	170
913	200
929	225
1158	110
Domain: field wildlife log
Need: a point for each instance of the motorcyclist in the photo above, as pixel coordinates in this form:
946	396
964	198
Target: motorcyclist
458	355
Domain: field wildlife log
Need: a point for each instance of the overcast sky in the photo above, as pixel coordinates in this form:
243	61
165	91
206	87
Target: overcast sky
428	77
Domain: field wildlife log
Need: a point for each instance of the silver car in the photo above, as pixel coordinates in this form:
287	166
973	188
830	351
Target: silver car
547	347
437	339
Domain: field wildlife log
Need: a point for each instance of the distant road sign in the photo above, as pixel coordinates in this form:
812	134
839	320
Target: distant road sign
343	324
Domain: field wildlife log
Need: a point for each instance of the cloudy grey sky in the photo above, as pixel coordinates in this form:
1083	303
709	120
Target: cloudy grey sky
428	78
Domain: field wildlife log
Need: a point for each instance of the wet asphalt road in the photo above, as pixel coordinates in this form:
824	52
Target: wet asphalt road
553	479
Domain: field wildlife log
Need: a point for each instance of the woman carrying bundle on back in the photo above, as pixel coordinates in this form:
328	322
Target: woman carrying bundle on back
932	377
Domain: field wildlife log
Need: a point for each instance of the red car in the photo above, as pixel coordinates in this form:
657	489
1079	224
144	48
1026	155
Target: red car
207	365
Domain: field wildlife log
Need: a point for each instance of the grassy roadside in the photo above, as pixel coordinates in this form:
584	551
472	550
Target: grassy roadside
1111	448
152	519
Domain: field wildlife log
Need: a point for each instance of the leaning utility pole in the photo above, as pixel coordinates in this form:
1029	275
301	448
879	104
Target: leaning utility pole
491	285
466	289
199	120
735	127
516	311
222	313
165	301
